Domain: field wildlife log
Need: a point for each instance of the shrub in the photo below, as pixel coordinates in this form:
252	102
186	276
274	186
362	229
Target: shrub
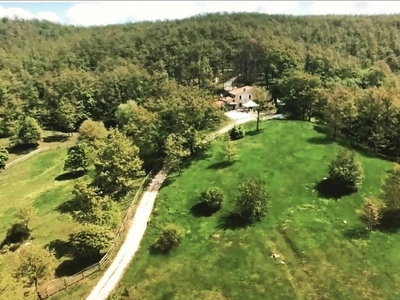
252	201
236	133
345	172
170	237
213	197
3	158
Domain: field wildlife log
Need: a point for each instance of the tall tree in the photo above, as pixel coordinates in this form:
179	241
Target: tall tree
299	92
117	166
77	158
29	132
175	151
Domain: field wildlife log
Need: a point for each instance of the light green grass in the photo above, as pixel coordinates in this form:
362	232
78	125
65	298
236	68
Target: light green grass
323	259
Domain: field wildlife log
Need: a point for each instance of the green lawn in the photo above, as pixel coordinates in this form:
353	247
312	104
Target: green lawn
324	258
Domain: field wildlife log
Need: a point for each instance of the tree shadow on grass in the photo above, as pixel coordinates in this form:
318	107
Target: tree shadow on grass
168	181
56	138
232	221
328	189
60	248
254	132
220	165
320	140
65	207
356	233
22	149
70	175
390	222
73	266
202	209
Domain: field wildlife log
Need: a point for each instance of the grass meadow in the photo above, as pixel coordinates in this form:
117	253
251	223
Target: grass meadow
323	258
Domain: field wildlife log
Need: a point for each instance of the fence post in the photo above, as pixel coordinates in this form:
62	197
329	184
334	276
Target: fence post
65	282
98	264
83	275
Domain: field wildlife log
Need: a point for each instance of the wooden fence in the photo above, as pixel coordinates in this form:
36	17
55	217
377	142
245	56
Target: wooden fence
62	283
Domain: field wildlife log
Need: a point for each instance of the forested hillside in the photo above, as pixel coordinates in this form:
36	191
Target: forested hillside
62	75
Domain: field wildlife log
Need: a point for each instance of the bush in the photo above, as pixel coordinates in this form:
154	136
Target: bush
236	133
170	237
213	197
252	201
345	172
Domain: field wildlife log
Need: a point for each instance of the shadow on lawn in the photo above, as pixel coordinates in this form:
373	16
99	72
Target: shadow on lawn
73	266
232	221
390	222
330	190
22	149
65	207
356	233
60	248
254	132
70	175
56	138
220	165
320	140
202	209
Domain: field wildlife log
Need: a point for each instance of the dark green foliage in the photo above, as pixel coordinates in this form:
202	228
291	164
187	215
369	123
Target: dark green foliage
3	158
345	172
77	158
391	190
90	240
29	132
213	197
170	237
236	133
252	201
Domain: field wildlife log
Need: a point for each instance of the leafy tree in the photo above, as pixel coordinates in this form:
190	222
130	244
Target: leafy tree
337	109
252	201
391	190
236	133
26	213
118	165
77	158
371	212
175	151
33	264
261	98
229	150
91	131
90	240
170	237
89	207
345	172
3	158
299	92
213	197
29	132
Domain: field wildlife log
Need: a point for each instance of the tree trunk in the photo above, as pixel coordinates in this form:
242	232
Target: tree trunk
37	289
258	120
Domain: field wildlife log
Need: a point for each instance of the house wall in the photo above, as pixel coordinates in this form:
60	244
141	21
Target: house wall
243	97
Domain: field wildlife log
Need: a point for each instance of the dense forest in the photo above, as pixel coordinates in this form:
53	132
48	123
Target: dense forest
62	75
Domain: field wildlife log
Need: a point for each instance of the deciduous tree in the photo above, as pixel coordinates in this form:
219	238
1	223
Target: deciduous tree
371	212
229	150
118	165
90	240
29	132
33	264
175	151
3	158
78	158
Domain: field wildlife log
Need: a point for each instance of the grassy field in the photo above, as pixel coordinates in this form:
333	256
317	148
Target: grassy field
49	139
323	257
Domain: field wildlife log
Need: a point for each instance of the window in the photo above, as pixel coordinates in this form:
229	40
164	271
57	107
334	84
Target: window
240	104
240	97
249	97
